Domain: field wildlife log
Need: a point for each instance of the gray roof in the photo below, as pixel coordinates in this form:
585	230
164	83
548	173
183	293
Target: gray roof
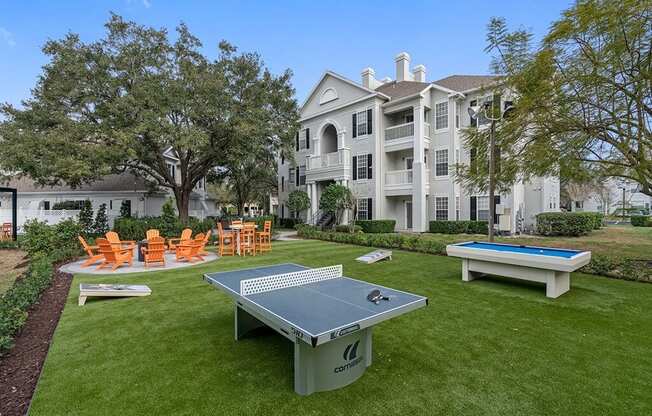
465	82
110	183
401	89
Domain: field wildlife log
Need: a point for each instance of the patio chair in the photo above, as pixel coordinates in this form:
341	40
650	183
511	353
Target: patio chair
155	251
151	233
115	241
6	232
264	238
189	250
204	242
236	222
114	256
93	253
186	235
248	240
226	241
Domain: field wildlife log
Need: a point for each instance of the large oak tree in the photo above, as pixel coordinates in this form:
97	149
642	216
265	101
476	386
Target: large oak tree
119	103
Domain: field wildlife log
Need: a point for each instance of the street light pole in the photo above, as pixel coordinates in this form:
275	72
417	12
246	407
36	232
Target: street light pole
492	178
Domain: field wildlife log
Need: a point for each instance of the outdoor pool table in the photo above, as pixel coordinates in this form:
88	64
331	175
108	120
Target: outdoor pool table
551	266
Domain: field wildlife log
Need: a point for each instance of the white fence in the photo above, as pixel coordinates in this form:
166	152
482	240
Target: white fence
51	216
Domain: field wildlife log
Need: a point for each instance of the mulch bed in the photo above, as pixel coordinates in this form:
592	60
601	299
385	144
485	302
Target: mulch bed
21	367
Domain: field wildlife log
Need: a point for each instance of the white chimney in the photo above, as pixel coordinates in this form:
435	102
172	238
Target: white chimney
403	67
419	73
368	78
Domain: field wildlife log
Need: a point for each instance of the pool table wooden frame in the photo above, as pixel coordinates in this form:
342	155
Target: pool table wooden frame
554	271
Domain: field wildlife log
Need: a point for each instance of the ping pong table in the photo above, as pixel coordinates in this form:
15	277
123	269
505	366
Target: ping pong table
326	315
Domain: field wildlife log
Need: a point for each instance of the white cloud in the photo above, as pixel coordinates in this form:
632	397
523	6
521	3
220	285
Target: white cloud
7	37
147	4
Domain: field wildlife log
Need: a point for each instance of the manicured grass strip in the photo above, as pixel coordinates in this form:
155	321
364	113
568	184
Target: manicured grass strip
489	347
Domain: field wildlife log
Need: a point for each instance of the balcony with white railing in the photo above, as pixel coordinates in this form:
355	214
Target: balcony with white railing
328	166
400	182
401	136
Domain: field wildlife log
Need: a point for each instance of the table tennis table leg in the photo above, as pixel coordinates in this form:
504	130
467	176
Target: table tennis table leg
244	322
332	365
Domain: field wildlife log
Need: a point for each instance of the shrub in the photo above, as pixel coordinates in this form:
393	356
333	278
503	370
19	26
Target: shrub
381	240
641	221
59	241
101	225
125	208
376	226
298	201
135	228
564	223
86	218
347	229
596	218
459	227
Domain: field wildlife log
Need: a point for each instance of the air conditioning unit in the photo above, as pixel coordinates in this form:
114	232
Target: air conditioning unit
505	222
500	209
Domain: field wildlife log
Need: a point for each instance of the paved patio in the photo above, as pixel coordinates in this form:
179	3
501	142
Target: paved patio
137	267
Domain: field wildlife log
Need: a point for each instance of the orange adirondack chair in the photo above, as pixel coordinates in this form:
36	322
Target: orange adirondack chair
6	232
151	233
92	251
226	241
264	238
114	256
155	251
248	240
236	222
204	242
115	241
189	250
186	235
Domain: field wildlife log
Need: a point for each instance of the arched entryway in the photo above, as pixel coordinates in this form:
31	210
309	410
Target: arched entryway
328	140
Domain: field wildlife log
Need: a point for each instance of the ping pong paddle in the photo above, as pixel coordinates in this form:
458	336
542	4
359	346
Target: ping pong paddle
375	296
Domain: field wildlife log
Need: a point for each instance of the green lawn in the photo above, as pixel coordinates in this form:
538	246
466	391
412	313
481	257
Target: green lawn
489	347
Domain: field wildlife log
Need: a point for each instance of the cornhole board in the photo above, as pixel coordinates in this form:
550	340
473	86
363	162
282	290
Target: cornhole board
107	290
375	256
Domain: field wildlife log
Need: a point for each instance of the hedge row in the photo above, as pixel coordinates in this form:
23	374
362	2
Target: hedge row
411	242
615	267
347	229
135	228
289	222
45	245
597	218
459	227
564	223
376	226
641	221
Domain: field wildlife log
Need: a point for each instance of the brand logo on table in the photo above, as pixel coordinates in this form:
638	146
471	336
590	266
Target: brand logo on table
350	354
350	351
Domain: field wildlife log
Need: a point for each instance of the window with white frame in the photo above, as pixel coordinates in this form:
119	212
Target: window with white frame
441	208
483	208
361	123
361	166
441	115
457	208
363	208
441	162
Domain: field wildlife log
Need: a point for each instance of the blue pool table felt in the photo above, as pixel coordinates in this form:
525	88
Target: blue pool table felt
541	251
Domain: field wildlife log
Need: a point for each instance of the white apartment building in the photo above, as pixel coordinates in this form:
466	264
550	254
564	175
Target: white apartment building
394	144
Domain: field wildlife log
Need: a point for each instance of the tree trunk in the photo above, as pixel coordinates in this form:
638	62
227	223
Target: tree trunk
492	179
182	197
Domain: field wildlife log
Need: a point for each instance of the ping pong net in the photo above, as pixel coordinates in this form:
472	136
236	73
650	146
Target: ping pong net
285	280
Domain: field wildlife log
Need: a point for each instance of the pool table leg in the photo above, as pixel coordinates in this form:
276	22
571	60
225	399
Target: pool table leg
557	283
468	275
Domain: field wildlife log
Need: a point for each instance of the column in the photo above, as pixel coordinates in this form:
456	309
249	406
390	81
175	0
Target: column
312	193
419	207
